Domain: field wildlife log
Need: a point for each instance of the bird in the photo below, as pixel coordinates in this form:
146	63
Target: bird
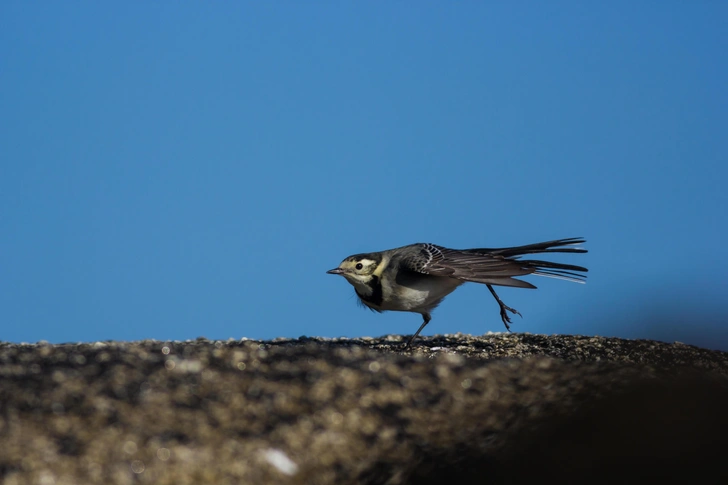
416	278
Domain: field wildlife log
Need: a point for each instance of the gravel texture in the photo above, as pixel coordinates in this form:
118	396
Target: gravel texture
500	408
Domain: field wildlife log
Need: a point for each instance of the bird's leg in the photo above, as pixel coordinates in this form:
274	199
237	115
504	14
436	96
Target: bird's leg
426	319
503	307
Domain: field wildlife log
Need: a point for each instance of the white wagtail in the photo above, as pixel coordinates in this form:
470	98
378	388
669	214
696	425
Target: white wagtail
416	278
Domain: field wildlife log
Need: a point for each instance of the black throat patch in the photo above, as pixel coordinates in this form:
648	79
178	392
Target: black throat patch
376	297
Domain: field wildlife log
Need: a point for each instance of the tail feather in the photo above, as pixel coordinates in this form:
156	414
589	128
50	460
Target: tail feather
569	272
549	266
562	275
543	247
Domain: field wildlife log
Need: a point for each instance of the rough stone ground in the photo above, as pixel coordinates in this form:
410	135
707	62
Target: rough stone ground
501	408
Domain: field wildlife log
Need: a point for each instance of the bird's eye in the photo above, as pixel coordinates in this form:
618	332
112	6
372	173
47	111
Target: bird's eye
359	266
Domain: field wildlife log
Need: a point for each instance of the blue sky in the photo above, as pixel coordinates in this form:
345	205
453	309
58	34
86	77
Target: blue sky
171	170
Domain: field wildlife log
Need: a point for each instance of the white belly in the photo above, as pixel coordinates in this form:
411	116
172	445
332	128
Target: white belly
418	294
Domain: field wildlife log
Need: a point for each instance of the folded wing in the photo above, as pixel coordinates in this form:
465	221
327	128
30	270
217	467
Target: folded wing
496	266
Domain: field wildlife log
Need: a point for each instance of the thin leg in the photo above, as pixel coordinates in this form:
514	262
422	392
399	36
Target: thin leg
503	307
426	319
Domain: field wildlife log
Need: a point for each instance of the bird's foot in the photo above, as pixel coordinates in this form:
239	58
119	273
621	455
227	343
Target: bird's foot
504	309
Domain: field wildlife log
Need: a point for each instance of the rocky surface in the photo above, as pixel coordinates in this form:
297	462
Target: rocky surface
502	408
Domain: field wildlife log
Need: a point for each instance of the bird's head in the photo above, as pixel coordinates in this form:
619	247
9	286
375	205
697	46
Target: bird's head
359	269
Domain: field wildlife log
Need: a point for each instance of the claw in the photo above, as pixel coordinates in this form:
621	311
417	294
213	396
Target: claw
504	309
504	314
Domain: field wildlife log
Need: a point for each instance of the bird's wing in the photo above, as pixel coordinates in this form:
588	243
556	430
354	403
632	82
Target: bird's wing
467	266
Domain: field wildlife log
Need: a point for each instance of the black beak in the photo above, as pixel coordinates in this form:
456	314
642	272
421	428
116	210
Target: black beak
335	271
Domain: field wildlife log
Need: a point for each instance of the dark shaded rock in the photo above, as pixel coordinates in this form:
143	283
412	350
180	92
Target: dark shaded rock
505	408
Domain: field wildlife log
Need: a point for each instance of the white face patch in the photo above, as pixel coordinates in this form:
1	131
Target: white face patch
360	273
358	268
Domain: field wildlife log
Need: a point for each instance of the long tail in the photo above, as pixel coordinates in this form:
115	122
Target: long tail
544	268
